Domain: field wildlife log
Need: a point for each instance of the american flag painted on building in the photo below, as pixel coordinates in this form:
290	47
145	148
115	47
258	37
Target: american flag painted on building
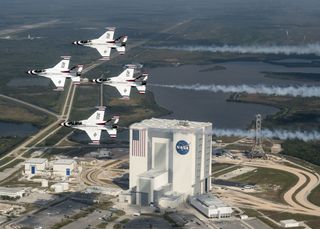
138	143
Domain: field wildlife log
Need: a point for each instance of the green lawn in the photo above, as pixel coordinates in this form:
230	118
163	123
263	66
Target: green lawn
274	183
312	221
227	170
219	166
11	164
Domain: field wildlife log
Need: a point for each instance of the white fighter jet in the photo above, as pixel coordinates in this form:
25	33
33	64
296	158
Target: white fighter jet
125	81
59	73
95	124
105	43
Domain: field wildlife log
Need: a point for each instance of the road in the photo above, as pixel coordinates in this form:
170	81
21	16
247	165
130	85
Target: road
92	174
22	28
66	110
43	133
29	105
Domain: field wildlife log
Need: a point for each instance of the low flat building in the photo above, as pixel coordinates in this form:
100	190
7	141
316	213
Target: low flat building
104	190
171	200
276	148
289	223
60	187
64	167
12	192
211	206
35	166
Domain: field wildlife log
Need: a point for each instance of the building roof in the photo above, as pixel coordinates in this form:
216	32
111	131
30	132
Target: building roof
152	173
11	190
171	124
170	195
288	221
210	201
36	160
64	162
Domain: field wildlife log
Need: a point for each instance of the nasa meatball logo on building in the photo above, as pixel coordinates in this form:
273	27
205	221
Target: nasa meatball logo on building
182	147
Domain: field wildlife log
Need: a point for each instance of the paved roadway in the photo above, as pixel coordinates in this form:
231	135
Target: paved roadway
22	28
41	135
29	105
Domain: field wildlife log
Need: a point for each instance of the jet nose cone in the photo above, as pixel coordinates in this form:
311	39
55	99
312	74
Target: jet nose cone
29	72
75	42
62	124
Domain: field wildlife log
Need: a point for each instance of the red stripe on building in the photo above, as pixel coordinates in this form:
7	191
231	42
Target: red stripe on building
138	146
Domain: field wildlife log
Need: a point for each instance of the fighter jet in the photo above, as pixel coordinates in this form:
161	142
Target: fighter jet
95	124
60	72
125	81
105	43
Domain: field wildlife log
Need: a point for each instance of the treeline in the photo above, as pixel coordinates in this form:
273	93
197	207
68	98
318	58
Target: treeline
308	151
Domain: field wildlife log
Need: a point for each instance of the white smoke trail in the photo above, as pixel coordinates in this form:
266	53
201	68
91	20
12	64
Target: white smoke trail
278	134
302	91
308	49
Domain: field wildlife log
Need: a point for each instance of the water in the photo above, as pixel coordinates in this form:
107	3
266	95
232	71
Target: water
213	107
16	129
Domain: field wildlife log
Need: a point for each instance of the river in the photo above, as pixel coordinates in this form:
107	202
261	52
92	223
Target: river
213	107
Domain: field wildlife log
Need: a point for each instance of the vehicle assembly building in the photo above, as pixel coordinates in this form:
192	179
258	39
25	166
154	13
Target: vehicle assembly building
169	159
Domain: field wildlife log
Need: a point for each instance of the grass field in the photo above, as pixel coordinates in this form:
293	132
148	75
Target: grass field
7	143
13	112
219	166
11	164
312	221
274	183
226	170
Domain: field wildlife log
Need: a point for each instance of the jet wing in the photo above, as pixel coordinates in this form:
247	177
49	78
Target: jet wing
97	116
104	50
94	134
107	36
58	81
124	90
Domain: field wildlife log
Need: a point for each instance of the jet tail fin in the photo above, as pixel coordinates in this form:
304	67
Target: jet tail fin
122	41
77	70
121	44
114	126
144	78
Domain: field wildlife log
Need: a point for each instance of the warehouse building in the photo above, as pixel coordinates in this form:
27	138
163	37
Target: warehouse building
14	192
289	223
64	167
35	166
169	156
211	206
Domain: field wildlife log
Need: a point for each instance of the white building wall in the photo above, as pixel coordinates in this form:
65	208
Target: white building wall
160	153
211	212
60	169
160	181
183	168
138	164
39	167
187	173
